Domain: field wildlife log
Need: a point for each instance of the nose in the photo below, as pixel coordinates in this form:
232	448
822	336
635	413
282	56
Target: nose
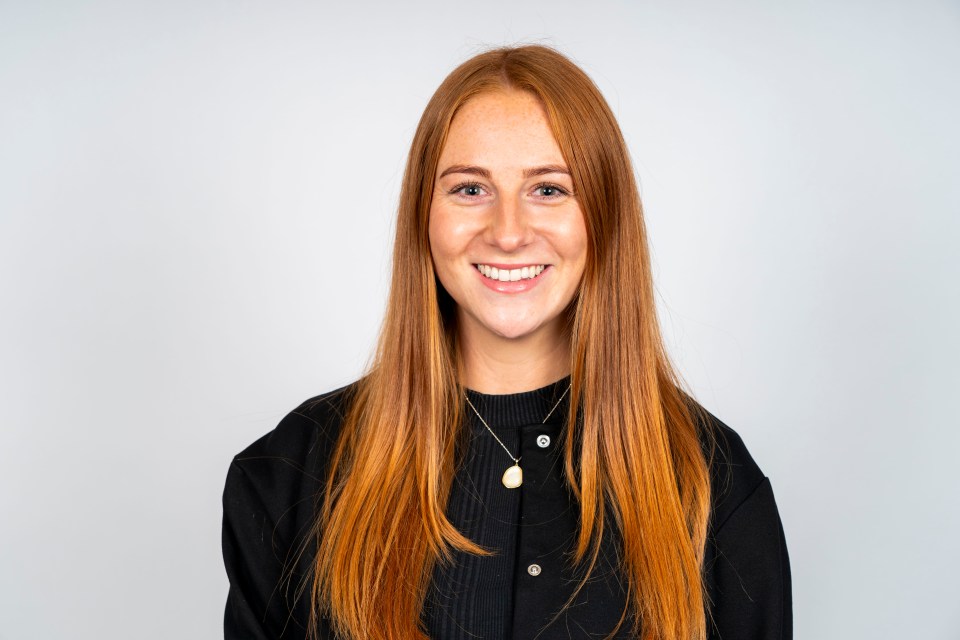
509	229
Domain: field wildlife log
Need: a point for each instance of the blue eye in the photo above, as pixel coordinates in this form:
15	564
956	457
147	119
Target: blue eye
549	191
468	189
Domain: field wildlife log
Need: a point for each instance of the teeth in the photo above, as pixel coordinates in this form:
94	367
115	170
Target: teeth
511	275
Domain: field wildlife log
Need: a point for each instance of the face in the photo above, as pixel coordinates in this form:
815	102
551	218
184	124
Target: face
507	235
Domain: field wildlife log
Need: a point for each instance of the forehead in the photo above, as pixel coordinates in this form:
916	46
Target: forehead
501	127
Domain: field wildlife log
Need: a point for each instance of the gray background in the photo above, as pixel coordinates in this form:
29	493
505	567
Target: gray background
196	202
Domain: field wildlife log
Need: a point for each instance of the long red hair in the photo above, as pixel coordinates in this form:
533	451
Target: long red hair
637	459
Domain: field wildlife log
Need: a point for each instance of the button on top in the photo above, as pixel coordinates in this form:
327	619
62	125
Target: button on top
543	441
534	569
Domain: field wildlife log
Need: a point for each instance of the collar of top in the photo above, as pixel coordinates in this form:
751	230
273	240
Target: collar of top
505	411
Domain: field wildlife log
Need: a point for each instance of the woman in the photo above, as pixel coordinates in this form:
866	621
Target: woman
519	461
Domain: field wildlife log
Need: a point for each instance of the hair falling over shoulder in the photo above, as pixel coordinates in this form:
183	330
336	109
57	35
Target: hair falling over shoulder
636	465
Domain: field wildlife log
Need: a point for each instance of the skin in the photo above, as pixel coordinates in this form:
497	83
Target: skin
503	196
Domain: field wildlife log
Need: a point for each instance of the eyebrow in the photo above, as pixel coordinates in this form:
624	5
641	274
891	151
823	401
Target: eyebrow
485	173
544	170
468	169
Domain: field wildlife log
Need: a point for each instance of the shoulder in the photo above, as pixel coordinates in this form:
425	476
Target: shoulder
269	511
316	422
289	463
747	567
734	475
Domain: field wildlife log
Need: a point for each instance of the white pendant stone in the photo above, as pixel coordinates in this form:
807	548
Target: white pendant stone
513	477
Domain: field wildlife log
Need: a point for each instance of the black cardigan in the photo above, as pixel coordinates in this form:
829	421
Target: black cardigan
514	593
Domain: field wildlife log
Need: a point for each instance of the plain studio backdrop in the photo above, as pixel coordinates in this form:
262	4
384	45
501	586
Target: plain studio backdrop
196	212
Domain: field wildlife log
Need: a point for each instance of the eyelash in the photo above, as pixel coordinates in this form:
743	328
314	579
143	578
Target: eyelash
466	185
543	185
549	185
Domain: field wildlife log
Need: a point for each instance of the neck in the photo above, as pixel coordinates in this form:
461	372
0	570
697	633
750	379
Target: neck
496	365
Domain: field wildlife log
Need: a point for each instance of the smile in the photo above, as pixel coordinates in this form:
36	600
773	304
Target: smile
511	275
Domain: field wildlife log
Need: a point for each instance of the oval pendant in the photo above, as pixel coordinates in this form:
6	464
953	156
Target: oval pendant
513	477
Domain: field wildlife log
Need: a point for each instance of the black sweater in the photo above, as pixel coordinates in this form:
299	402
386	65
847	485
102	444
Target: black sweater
515	592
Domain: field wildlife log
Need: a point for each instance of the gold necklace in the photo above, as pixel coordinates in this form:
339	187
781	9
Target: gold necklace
513	476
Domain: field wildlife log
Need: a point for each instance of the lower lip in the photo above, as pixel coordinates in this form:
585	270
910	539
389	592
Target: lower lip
518	286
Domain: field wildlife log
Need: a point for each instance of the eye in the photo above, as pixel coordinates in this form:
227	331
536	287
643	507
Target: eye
549	191
468	189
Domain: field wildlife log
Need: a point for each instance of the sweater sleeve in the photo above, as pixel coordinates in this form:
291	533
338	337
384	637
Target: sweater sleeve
256	556
749	573
269	516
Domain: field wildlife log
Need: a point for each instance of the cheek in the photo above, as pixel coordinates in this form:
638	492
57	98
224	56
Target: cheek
437	234
444	243
449	233
573	240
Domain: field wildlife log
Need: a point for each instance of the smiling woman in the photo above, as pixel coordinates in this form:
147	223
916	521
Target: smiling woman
520	461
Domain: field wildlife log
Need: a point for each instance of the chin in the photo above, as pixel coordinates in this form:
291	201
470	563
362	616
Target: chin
512	331
503	325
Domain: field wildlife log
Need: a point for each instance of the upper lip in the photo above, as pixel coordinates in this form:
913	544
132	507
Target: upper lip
499	265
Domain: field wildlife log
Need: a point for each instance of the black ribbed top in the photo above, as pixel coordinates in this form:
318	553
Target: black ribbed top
530	408
473	597
519	591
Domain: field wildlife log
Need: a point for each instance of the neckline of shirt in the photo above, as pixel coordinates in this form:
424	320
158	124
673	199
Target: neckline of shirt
527	408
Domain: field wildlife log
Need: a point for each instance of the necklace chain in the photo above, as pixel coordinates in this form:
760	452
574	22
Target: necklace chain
484	422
